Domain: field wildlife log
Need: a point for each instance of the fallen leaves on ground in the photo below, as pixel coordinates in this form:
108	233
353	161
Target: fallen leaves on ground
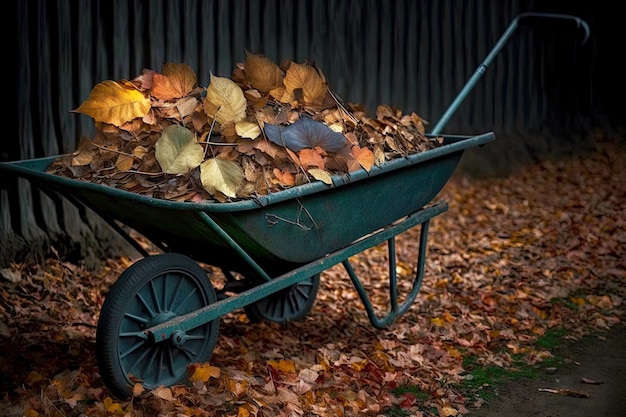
513	257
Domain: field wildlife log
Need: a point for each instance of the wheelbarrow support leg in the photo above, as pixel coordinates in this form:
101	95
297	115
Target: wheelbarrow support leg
396	309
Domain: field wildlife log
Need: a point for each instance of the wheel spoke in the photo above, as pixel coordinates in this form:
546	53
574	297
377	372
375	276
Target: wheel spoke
170	361
293	302
145	304
132	349
191	355
198	337
176	309
301	291
164	293
136	318
140	335
155	297
152	351
175	297
158	358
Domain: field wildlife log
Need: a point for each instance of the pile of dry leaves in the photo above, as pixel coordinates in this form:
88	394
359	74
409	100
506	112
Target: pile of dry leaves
512	258
264	129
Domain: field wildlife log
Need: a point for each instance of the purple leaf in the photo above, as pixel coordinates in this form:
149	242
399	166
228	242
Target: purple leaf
305	133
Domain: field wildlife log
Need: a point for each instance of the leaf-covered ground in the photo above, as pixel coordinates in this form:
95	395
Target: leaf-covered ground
513	257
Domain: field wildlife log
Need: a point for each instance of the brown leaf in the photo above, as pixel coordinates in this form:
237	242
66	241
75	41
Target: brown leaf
304	79
177	81
263	74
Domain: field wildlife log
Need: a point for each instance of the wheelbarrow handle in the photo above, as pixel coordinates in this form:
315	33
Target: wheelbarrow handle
496	49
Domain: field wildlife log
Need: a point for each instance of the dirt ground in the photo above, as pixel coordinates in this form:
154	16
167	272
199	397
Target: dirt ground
601	360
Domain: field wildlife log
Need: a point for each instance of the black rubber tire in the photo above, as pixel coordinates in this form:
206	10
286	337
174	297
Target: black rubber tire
153	290
291	304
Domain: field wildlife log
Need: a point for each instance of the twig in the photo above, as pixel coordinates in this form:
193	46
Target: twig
104	148
565	391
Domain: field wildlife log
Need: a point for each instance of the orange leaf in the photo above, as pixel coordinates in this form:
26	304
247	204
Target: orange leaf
138	389
311	158
176	81
364	156
285	177
283	365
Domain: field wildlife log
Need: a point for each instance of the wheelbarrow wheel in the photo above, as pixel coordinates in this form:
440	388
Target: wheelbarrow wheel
292	303
152	291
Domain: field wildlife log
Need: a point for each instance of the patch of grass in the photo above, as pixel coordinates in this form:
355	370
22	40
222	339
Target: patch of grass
417	393
486	379
552	338
567	302
396	411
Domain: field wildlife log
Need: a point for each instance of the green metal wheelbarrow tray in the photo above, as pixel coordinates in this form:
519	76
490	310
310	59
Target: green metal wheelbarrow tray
163	313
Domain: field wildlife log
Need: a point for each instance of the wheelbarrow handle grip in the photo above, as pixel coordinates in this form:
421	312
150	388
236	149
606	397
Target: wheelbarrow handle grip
494	52
579	22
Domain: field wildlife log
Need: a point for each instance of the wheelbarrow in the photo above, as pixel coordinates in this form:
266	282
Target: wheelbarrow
163	313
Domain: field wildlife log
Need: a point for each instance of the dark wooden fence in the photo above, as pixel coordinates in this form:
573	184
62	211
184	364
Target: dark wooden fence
539	95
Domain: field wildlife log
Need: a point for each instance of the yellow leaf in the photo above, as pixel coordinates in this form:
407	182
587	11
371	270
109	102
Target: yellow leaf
204	372
448	411
263	74
177	150
140	151
224	101
306	78
112	406
247	129
283	365
124	162
33	377
115	103
321	175
242	412
29	412
221	175
176	81
437	321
